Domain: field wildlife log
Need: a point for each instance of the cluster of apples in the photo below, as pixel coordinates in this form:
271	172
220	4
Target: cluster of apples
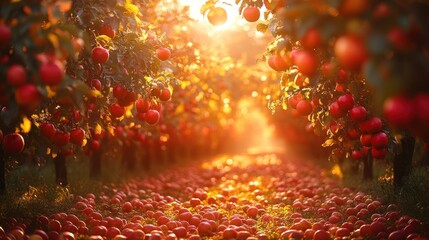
240	197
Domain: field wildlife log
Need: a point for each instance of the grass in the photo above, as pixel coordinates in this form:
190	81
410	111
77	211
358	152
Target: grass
412	198
32	190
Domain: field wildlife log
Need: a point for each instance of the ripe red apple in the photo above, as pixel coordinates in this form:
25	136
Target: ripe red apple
321	235
28	95
13	143
294	99
152	116
94	145
142	105
399	111
306	62
312	39
304	107
61	138
116	110
372	125
399	38
51	73
251	14
163	53
77	136
357	154
278	62
165	94
421	102
379	140
5	37
358	114
346	102
47	129
106	29
350	51
99	230
335	110
378	153
365	139
95	84
99	55
119	92
16	75
204	229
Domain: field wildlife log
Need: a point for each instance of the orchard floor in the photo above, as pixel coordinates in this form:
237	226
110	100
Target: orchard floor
249	196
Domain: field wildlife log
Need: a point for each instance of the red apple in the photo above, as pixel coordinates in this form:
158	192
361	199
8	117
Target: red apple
358	114
379	140
350	51
304	107
28	95
165	94
399	111
13	143
251	14
142	105
116	110
47	129
51	73
5	36
16	75
99	55
346	102
152	116
77	136
61	138
163	53
335	110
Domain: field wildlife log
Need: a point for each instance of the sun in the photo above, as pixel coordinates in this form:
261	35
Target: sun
234	20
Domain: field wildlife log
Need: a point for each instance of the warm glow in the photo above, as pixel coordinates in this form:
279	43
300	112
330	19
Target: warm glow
234	19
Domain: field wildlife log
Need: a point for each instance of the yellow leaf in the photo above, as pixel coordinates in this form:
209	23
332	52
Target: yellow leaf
54	40
25	125
104	40
132	8
51	93
329	142
336	170
96	93
148	79
97	129
180	109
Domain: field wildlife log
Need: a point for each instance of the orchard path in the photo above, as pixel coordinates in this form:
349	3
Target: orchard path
251	196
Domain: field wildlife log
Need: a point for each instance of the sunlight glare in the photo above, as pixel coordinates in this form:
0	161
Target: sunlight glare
233	21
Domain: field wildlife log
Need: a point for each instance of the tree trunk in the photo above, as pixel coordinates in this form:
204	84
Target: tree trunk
171	153
354	168
145	159
2	172
402	161
367	167
60	170
95	164
129	156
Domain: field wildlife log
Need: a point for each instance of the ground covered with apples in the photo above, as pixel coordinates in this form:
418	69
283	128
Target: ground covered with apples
263	196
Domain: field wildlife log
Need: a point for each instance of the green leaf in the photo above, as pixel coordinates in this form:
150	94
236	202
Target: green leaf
371	74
